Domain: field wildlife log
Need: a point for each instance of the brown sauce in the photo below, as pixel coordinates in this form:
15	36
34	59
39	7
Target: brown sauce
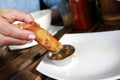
62	54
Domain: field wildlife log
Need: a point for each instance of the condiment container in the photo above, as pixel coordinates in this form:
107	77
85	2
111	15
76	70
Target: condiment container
80	14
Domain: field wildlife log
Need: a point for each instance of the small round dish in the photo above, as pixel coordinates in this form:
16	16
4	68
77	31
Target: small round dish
63	56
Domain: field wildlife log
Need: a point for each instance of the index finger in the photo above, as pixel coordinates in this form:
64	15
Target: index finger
21	16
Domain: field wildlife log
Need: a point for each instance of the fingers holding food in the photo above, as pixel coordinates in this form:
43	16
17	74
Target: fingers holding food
43	37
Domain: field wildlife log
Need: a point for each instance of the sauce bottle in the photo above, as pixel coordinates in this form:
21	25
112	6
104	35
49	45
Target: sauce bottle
80	14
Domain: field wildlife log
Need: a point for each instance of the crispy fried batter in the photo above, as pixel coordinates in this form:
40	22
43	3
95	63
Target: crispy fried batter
43	37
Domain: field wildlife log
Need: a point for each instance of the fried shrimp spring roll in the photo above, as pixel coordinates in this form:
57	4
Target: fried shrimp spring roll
43	37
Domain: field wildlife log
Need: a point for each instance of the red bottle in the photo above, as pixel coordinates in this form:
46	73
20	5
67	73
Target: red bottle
80	14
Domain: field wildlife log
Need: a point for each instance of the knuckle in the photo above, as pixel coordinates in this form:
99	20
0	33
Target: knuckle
5	31
3	41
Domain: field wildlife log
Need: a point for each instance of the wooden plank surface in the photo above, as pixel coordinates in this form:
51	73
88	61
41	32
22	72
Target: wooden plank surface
15	61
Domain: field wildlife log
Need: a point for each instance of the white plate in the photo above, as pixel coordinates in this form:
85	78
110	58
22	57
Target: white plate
97	56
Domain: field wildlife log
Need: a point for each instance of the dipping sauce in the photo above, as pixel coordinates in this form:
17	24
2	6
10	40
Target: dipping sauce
64	52
61	54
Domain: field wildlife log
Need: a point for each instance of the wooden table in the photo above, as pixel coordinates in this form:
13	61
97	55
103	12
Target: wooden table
21	64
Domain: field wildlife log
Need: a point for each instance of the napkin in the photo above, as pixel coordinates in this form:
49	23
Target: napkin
52	30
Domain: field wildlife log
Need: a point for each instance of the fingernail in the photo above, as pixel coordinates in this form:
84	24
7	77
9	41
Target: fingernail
31	36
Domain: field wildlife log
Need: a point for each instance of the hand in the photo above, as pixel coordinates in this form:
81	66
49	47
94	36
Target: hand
10	34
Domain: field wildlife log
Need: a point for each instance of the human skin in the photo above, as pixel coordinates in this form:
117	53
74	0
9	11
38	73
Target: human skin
10	34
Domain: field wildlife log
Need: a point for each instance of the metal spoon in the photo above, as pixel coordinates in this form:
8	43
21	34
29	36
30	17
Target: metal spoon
64	52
